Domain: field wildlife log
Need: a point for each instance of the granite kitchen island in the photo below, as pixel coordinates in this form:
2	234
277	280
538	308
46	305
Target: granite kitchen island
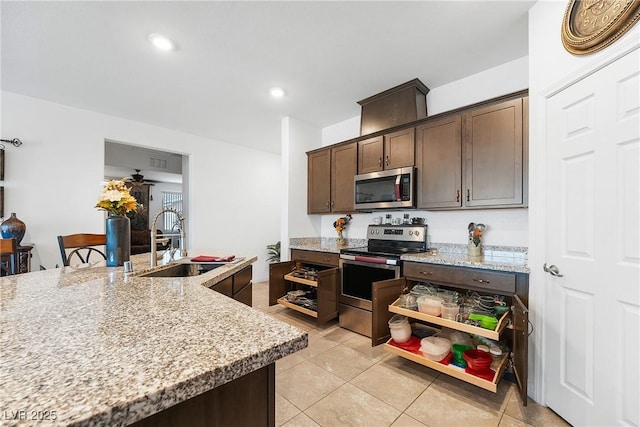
95	346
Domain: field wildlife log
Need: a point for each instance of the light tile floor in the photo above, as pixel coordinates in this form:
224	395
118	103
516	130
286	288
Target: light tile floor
340	380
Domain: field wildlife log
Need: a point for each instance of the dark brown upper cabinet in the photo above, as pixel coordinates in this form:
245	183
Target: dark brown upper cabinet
389	151
439	163
319	181
475	158
494	155
330	180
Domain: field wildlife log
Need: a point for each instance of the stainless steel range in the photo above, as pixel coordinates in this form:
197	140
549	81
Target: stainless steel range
378	261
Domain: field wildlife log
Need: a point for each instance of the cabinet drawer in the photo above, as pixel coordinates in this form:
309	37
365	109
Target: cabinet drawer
313	257
245	296
225	287
483	280
242	278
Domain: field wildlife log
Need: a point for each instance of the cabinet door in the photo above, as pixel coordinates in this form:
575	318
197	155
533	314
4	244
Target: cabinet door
277	283
328	288
520	345
370	155
319	182
439	163
344	165
383	293
399	149
494	155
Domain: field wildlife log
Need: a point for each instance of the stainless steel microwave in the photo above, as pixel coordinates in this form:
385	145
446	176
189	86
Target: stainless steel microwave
389	189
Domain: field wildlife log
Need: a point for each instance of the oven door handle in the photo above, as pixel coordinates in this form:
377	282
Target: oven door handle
369	260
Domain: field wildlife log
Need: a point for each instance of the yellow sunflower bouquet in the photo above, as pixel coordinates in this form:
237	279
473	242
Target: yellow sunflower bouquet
116	199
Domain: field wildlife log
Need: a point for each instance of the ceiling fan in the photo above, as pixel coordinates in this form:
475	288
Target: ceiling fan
137	179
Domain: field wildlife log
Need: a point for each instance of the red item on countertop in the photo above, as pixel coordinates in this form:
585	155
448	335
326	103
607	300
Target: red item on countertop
205	258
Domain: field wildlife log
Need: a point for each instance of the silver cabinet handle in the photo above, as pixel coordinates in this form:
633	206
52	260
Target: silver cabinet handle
552	270
481	281
427	273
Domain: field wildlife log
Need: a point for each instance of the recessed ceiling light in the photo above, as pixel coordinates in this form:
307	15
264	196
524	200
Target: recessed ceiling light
276	92
161	42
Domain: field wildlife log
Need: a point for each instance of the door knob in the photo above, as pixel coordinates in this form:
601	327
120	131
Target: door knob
552	270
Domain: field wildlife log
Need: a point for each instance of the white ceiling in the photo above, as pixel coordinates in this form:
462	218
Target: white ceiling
327	55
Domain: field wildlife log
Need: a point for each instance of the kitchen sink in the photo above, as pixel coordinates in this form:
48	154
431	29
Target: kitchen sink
182	270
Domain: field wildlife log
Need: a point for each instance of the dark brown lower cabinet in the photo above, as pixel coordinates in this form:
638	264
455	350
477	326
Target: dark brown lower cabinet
246	401
238	286
513	326
324	288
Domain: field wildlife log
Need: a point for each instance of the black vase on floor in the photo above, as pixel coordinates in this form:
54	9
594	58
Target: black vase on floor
13	228
118	231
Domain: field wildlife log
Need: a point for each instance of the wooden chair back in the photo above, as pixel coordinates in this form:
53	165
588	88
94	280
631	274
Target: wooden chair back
9	255
83	245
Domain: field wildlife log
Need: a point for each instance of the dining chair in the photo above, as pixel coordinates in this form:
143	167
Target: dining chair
9	254
83	245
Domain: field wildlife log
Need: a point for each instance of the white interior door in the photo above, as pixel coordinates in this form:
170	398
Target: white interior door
592	322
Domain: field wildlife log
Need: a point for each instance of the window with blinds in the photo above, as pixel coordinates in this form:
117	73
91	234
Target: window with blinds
171	200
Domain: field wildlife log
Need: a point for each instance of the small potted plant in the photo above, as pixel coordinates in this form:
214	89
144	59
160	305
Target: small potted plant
273	251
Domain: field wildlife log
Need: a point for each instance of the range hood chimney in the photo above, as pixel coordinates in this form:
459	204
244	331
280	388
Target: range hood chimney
394	107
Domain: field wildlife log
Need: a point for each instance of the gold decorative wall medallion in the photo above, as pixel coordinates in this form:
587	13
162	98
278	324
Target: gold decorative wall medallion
591	25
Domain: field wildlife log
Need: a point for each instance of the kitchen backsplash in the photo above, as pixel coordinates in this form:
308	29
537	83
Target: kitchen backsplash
505	227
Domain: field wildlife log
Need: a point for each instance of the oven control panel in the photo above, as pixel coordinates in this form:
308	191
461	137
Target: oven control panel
404	233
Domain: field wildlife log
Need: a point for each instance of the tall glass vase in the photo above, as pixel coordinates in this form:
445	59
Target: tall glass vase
118	231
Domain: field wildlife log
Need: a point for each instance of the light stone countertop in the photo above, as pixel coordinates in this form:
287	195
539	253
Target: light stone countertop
499	258
99	347
324	244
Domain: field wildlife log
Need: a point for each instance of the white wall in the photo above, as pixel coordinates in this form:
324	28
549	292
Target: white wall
509	77
341	131
53	180
506	227
298	137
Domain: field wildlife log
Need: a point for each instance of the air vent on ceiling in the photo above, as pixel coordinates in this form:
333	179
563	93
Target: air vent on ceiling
157	163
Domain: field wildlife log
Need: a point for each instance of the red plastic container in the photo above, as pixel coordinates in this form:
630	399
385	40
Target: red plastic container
477	360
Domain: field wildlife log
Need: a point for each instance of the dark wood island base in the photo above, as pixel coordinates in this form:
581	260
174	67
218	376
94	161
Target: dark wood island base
246	401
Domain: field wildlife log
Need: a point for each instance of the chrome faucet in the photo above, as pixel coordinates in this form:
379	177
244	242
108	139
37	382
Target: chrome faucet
182	235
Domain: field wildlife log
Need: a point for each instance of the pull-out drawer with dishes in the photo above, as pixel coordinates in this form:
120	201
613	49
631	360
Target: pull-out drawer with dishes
308	284
509	327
